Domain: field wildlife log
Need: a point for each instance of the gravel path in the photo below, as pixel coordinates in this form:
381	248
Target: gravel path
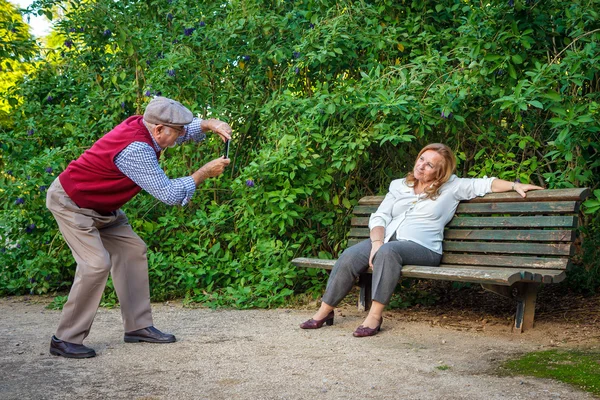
262	354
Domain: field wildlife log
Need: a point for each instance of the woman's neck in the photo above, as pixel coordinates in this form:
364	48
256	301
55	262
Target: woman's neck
420	186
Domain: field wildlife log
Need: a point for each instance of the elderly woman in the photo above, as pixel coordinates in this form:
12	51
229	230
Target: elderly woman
408	228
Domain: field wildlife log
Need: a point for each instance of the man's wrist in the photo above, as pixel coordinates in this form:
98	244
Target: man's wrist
200	176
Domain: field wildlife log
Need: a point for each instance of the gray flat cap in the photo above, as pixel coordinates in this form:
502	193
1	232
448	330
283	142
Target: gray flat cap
164	111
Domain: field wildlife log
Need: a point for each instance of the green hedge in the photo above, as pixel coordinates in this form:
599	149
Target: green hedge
329	102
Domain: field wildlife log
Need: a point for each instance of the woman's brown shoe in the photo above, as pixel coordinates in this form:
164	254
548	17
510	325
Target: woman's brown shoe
317	323
363	331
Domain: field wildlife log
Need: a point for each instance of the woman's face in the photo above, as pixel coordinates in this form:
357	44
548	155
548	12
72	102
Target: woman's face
427	165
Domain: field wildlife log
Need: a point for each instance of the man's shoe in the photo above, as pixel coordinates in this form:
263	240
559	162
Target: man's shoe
70	350
149	334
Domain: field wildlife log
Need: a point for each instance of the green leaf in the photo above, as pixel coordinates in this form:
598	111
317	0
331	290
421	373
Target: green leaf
517	59
552	95
585	118
536	104
512	72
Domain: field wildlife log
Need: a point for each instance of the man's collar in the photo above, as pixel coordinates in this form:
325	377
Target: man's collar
157	148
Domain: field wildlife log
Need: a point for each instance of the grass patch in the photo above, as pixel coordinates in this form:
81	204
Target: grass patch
443	367
575	367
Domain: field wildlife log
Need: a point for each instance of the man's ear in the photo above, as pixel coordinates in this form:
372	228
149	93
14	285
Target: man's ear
158	130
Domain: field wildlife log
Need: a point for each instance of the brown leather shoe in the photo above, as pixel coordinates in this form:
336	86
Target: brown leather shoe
149	334
317	323
363	331
70	350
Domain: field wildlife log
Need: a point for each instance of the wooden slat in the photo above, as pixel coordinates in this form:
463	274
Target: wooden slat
516	235
499	222
313	263
352	242
364	210
554	207
359	221
557	276
450	273
514	222
539	249
371	200
534	235
526	275
506	261
359	233
576	194
464	273
532	275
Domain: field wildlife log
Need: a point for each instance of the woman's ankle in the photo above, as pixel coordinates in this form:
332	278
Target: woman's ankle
323	311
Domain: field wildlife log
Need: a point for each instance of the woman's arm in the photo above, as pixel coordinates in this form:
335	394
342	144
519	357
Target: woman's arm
377	235
500	185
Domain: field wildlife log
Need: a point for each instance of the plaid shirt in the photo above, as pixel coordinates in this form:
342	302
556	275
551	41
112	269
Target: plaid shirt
139	163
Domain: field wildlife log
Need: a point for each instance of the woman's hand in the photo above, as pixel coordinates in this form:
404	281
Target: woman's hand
500	185
521	188
375	245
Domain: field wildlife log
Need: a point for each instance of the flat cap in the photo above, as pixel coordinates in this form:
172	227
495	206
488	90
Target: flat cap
164	111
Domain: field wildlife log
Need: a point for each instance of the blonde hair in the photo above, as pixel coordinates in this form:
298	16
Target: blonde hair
443	171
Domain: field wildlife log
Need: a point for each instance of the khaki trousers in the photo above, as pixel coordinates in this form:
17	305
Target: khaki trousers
100	244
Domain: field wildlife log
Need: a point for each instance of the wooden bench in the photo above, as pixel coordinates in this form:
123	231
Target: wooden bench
508	244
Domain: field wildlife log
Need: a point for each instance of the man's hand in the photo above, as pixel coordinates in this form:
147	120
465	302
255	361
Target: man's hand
210	169
219	127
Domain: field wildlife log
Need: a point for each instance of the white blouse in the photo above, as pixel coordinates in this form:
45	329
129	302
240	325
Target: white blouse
413	217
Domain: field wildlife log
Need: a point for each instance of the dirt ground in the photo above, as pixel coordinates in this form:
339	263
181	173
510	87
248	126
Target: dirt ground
451	351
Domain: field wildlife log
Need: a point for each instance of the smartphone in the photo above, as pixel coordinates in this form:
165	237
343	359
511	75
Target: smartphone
226	150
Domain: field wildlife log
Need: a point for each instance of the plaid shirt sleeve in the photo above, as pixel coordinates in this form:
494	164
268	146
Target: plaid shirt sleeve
193	131
139	163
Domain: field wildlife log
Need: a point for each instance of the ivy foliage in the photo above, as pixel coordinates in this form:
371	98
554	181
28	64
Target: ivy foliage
329	101
17	49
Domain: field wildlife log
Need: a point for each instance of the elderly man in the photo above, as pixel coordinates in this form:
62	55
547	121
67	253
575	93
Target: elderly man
85	200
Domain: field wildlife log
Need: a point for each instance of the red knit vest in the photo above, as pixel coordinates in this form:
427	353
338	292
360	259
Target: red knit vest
94	181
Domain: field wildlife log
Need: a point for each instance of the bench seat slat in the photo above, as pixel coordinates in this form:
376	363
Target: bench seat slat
506	261
551	249
313	263
514	222
445	272
499	276
462	273
517	235
532	275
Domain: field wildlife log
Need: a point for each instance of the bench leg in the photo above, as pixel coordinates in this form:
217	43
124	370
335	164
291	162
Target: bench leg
525	297
364	299
525	293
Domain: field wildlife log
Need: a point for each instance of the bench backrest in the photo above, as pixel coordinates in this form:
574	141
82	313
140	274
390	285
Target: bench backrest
502	229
